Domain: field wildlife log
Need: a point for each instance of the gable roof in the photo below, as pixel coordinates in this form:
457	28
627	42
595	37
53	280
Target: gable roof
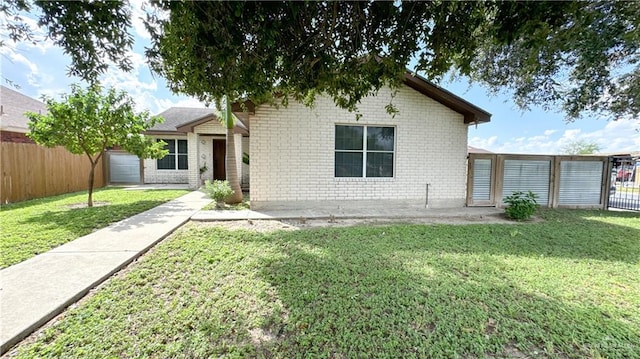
13	105
184	119
471	112
175	117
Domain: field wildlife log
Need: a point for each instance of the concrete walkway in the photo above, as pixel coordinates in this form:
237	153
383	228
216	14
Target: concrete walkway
471	213
38	289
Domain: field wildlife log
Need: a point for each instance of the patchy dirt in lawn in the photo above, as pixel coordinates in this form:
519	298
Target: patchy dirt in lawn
84	205
301	223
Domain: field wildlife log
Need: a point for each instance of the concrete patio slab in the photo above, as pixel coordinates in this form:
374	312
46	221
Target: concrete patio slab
38	289
352	213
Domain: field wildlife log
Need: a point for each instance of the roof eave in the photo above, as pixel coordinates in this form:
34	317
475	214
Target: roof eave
472	113
163	132
189	126
14	129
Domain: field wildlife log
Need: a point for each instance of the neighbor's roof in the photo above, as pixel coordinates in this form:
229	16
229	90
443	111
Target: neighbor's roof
471	149
632	154
13	105
184	119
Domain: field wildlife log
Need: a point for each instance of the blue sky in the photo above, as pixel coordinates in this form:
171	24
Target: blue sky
42	69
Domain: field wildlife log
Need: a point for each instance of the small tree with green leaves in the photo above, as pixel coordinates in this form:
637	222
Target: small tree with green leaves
580	148
88	122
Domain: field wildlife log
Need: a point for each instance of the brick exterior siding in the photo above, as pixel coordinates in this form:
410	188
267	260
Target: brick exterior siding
153	175
292	155
200	152
16	137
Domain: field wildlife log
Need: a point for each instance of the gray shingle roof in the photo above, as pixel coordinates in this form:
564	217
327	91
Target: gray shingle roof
14	105
175	117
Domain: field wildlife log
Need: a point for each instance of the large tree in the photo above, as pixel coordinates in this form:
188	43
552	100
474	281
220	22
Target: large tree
580	56
94	34
88	122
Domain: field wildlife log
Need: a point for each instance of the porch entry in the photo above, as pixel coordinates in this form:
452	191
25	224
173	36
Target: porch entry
558	181
219	156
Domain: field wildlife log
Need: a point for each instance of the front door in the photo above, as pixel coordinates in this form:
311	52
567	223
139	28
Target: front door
219	150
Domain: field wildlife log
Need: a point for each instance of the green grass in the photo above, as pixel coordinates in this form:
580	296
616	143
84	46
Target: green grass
566	287
36	226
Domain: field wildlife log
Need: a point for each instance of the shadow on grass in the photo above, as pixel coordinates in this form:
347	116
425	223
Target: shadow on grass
418	291
427	291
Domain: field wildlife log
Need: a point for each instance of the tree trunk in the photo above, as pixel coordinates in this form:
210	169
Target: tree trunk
232	169
91	176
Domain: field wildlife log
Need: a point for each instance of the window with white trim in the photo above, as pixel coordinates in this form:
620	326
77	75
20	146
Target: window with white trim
177	158
364	151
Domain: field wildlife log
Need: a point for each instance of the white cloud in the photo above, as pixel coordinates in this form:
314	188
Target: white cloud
32	73
163	104
19	58
40	40
138	13
484	143
615	136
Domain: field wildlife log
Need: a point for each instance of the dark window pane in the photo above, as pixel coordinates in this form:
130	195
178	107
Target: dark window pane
168	162
348	164
379	164
183	162
349	137
171	145
182	146
380	138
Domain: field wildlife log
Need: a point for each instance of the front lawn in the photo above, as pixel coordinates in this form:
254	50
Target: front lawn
565	287
36	226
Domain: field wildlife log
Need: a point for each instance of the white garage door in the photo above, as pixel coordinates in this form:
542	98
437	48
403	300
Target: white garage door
124	168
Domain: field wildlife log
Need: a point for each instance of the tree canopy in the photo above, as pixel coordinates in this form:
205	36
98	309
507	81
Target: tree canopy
94	34
580	147
86	122
577	56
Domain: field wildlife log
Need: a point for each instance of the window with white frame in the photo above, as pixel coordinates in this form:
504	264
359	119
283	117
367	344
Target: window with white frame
177	158
364	151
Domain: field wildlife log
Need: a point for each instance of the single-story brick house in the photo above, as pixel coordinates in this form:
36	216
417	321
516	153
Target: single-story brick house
196	141
322	157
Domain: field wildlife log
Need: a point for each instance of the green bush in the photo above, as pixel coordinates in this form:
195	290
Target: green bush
218	190
522	205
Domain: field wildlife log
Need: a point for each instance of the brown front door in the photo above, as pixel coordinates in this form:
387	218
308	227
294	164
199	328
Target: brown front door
219	150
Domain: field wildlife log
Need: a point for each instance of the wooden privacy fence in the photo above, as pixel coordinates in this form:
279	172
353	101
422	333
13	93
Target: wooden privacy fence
32	171
558	181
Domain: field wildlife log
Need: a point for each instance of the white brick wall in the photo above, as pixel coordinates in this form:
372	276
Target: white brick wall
292	155
153	175
203	151
200	147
